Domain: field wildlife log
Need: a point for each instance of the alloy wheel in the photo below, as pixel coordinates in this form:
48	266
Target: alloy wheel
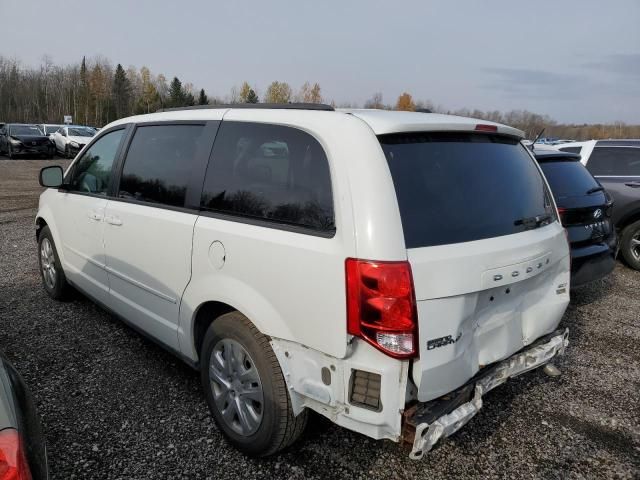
236	387
635	246
47	263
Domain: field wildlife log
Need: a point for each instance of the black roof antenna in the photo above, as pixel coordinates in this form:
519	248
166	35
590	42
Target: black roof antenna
536	139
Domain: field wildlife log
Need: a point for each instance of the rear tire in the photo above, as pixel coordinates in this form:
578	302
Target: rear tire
53	277
630	245
245	388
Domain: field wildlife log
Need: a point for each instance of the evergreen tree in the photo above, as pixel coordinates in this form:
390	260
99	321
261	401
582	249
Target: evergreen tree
202	98
121	91
176	93
84	91
252	97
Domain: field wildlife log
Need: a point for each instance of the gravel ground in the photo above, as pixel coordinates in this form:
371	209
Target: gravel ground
114	405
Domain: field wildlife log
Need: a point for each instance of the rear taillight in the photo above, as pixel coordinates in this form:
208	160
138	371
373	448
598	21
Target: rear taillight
562	212
381	306
13	465
566	236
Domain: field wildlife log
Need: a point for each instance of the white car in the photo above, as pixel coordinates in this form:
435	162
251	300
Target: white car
70	139
384	269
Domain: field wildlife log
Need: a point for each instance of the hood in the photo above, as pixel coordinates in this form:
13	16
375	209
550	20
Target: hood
29	138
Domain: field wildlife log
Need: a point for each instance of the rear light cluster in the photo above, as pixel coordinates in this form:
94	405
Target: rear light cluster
381	306
563	213
13	464
482	127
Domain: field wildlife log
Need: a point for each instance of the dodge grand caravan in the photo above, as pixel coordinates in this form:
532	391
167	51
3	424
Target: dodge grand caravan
385	269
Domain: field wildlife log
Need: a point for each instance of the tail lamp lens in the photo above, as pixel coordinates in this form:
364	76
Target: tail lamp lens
562	212
381	306
13	465
481	127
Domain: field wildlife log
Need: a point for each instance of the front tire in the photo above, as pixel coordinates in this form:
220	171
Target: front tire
630	245
245	388
53	277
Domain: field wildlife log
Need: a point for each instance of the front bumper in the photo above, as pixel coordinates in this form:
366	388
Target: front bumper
30	149
593	262
440	418
75	150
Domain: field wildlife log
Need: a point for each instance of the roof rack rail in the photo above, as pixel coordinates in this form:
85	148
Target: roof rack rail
276	106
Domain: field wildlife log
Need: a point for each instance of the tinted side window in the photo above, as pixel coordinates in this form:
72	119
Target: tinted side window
571	149
270	172
92	172
620	161
159	163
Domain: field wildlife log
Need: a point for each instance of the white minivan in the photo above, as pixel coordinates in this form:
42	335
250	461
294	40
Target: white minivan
384	269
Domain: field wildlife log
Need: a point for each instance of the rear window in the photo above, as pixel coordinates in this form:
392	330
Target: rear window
568	178
460	187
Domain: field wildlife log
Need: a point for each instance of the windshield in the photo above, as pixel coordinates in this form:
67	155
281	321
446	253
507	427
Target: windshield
25	130
460	187
49	129
568	178
81	132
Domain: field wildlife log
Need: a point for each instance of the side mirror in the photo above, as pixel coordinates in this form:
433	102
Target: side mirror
51	176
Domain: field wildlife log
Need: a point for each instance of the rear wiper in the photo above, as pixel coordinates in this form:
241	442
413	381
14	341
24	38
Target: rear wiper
534	222
594	190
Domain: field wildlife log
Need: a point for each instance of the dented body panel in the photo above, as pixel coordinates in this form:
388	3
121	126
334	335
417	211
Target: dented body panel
485	302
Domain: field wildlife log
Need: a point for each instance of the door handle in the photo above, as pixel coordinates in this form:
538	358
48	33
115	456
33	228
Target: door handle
111	220
95	216
633	184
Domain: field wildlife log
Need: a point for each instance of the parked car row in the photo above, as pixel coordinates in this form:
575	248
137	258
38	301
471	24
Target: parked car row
44	140
615	164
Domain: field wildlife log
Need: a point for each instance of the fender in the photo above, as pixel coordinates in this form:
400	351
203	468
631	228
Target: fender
44	213
223	288
631	214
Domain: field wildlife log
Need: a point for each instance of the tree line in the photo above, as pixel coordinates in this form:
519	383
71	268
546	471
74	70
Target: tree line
95	93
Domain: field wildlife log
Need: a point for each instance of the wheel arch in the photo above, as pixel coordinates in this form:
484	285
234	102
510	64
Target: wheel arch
44	218
207	313
629	218
211	296
40	224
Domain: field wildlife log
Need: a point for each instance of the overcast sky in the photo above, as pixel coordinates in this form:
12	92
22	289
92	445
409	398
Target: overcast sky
576	60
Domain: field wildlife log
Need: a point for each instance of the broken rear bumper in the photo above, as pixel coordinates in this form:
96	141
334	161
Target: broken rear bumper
426	423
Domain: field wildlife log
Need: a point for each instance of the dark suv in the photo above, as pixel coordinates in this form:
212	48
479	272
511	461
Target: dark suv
585	210
616	165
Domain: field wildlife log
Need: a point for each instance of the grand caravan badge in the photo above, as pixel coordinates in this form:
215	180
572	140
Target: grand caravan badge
442	341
